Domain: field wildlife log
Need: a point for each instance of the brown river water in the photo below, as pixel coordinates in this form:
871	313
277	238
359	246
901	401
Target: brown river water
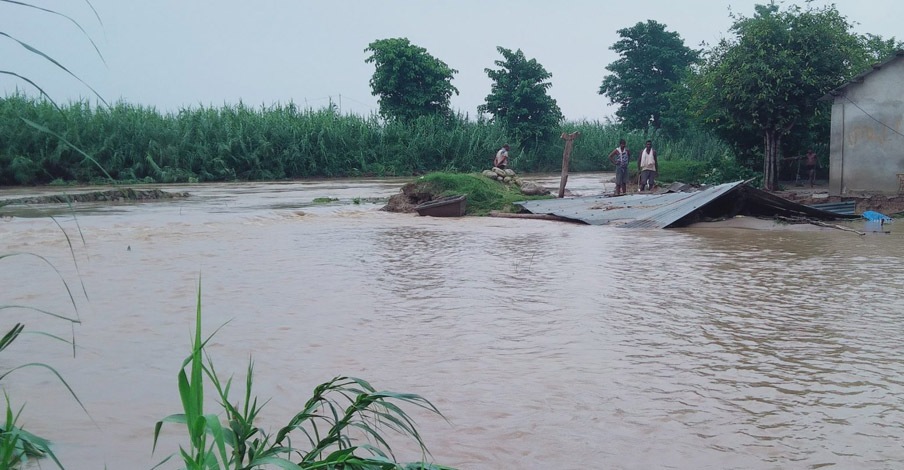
546	345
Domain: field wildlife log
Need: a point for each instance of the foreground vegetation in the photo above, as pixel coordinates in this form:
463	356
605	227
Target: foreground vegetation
136	144
336	411
18	446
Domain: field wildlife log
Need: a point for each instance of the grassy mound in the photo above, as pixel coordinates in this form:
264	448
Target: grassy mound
484	194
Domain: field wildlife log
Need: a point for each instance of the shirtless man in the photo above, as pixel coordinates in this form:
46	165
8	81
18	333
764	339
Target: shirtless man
812	163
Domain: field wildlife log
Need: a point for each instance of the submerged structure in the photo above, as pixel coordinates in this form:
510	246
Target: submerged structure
671	209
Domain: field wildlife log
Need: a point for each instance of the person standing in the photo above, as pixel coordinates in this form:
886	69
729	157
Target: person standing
620	157
501	160
812	163
648	166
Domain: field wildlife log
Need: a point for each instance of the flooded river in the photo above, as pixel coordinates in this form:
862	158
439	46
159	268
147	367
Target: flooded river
547	345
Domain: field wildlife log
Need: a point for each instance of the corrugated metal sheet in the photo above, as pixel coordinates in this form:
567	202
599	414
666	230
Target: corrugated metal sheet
673	208
843	207
633	210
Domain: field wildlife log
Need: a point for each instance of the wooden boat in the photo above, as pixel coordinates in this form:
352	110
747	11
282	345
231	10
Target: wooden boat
451	206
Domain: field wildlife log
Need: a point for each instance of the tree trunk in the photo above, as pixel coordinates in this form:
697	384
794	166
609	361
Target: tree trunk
770	162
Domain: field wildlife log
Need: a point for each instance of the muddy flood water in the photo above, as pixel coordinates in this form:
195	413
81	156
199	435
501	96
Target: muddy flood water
546	345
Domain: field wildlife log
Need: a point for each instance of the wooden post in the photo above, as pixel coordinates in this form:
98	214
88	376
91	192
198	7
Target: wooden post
569	144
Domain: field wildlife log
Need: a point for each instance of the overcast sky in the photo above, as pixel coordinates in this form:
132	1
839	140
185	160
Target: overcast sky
182	53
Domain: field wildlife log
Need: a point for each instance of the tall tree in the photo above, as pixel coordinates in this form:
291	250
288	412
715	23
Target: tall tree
409	81
652	62
518	98
769	77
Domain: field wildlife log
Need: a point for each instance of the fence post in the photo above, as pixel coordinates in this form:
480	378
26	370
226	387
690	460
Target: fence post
569	144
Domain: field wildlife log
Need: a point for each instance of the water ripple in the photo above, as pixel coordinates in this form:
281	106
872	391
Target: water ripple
547	345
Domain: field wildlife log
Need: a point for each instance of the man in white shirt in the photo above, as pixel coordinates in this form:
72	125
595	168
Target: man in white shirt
501	159
647	165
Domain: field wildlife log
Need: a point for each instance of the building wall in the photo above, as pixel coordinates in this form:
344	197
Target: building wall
867	145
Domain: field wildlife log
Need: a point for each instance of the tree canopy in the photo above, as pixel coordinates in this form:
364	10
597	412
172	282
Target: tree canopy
652	62
876	49
769	76
409	81
518	98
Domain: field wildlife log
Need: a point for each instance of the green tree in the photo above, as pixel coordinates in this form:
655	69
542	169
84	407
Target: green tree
769	77
519	100
409	81
877	49
652	62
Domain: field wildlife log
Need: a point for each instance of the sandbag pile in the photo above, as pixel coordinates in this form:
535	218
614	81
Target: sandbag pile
508	176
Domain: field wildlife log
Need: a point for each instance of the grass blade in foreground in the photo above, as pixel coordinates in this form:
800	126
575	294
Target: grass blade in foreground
339	409
18	445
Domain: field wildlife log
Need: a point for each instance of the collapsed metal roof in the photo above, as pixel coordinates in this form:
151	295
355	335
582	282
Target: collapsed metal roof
676	209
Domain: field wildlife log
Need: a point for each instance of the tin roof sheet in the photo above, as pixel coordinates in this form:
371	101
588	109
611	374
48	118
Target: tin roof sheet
664	210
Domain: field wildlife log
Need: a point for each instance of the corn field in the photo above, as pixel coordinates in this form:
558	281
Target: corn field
131	143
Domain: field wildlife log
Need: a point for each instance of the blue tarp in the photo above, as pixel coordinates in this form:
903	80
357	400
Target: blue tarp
873	215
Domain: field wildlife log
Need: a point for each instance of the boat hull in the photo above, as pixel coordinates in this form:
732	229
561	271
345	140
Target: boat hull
453	206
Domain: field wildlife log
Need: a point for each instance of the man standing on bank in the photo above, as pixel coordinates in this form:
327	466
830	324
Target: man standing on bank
620	157
647	165
812	163
501	159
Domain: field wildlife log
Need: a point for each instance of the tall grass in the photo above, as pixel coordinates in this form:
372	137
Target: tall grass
597	140
20	140
17	446
240	143
325	427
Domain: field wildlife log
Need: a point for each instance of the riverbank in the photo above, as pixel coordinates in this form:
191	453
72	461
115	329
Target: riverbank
579	184
110	195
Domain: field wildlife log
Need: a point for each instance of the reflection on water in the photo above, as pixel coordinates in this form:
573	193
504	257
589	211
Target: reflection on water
547	345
